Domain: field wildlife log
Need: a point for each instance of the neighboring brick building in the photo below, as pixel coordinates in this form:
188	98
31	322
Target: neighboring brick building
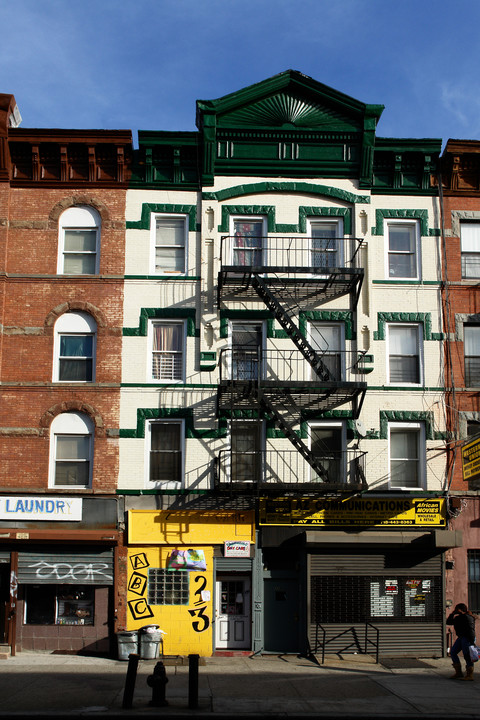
461	298
62	210
282	383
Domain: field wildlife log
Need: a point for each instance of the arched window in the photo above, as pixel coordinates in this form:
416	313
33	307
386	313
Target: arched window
79	241
74	348
71	451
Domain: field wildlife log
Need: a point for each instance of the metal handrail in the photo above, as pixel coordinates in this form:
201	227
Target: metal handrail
355	642
376	644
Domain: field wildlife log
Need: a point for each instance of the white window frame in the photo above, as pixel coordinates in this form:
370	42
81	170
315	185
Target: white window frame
164	484
419	428
416	226
249	218
467	242
153	243
151	332
313	223
336	424
419	354
73	424
341	350
79	217
466	328
73	323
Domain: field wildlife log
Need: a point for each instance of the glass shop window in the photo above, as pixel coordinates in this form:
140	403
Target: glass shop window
59	605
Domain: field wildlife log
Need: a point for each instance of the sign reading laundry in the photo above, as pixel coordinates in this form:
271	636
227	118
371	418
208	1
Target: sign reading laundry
31	507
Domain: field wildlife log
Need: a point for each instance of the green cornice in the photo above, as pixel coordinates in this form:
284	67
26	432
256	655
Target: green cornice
304	213
149	208
421	215
425	318
285	187
147	314
187	414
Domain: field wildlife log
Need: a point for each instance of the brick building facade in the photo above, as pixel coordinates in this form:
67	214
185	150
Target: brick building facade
62	196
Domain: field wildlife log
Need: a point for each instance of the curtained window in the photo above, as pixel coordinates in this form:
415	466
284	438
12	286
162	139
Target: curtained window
170	244
167	351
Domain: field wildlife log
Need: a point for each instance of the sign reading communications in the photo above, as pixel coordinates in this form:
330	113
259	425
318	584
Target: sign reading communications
31	507
354	512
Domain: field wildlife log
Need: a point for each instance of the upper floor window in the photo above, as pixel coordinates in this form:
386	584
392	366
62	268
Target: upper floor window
247	346
328	445
327	245
328	340
403	250
471	337
248	241
168	350
470	245
74	348
71	451
407	455
166	446
169	244
79	242
404	356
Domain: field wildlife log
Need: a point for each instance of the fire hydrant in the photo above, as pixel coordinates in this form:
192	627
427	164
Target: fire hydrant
158	682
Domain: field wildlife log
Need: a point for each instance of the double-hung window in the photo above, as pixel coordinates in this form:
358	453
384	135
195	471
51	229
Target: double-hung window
407	455
403	250
327	443
165	466
71	451
474	580
247	242
327	244
79	241
471	337
167	356
169	244
470	248
328	341
74	348
404	356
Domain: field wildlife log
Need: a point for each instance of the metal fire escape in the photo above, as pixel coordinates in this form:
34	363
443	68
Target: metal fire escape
296	382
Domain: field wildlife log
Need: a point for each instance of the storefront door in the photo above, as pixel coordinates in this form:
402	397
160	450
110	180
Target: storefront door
233	612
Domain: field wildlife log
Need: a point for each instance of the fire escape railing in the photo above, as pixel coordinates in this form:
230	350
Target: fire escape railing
290	253
287	469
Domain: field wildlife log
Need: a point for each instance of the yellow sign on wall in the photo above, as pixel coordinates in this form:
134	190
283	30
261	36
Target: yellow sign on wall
354	512
471	459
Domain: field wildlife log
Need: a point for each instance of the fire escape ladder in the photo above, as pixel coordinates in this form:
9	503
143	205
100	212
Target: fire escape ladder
291	329
290	433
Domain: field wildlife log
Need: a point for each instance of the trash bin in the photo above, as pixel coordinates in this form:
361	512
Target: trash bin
150	639
127	643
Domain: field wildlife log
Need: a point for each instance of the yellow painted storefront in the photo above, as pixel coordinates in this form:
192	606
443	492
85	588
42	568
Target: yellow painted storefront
152	536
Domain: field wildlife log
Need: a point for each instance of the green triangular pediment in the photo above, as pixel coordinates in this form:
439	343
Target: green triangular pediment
289	100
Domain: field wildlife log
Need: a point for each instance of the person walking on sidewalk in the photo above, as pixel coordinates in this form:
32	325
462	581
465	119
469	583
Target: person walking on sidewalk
463	622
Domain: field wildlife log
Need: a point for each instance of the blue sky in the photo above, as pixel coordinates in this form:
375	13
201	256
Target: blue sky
142	64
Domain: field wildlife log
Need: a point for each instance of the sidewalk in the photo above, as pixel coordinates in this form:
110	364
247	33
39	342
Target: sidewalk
46	685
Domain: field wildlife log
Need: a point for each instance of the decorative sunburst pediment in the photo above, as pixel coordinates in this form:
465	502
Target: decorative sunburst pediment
284	110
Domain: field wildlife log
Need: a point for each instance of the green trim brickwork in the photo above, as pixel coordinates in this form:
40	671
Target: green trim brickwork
167	209
285	187
147	314
304	213
421	215
424	318
187	414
